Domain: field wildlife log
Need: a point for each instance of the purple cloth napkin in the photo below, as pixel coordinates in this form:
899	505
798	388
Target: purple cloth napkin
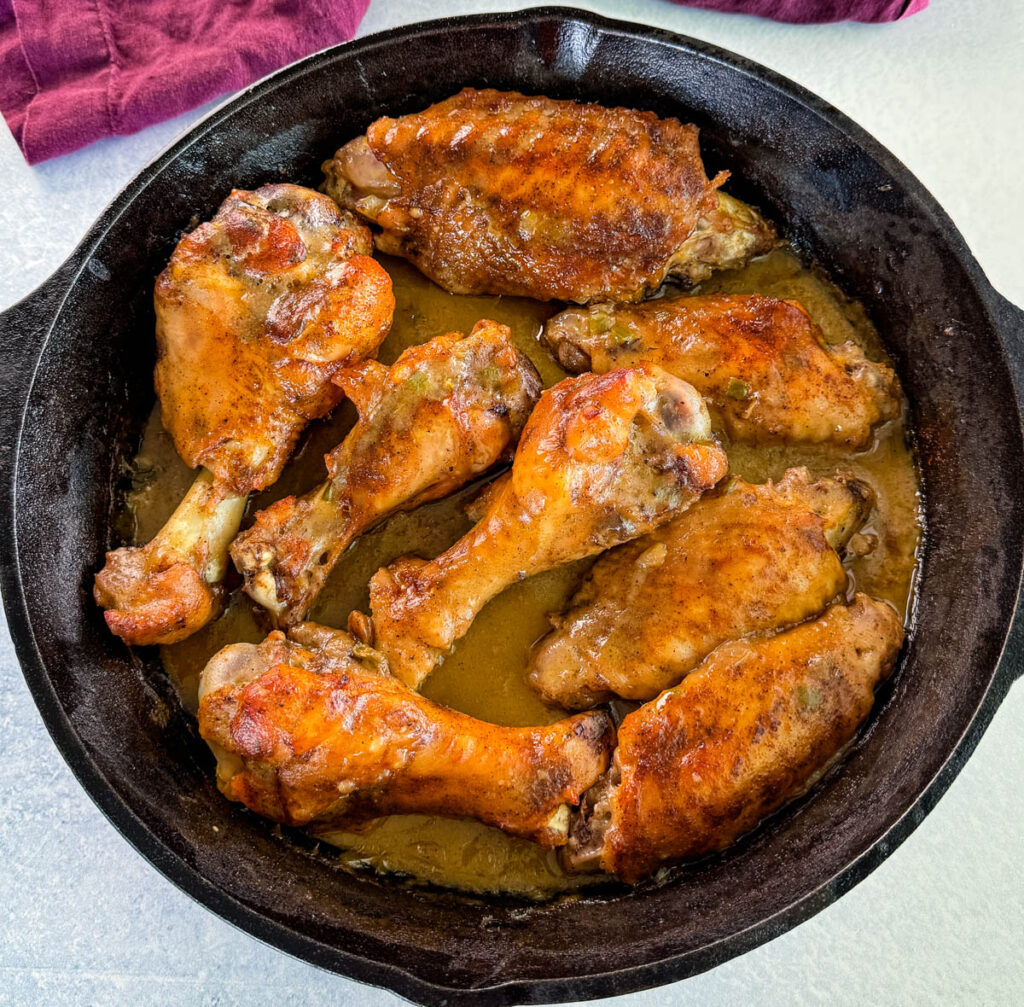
74	71
816	11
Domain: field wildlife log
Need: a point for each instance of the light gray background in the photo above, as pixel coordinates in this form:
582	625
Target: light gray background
86	921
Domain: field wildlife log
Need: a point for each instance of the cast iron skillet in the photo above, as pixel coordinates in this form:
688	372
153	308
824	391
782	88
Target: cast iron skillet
76	373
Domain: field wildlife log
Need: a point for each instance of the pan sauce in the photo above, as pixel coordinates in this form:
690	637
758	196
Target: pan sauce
483	676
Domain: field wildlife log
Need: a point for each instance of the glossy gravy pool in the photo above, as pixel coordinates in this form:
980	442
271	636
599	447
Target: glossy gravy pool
484	675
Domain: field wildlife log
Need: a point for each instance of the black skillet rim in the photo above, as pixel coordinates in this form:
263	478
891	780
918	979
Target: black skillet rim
391	975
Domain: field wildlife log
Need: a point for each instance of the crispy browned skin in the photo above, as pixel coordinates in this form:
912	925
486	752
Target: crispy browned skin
256	312
446	411
493	192
749	559
750	729
761	363
315	730
601	461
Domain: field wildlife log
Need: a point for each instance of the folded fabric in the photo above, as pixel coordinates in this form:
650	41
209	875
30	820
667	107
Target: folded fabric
816	11
74	71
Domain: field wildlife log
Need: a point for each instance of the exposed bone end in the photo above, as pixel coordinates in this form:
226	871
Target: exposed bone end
255	560
556	829
726	237
582	754
165	591
357	180
584	851
288	552
263	589
150	601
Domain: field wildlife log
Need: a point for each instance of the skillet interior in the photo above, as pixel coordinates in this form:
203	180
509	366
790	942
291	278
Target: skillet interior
850	205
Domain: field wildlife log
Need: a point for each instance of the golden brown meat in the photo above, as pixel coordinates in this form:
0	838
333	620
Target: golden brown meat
315	730
750	729
749	559
446	411
256	312
493	192
601	461
761	363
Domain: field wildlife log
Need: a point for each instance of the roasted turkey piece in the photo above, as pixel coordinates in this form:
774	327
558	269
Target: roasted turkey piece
444	412
493	192
751	728
313	729
256	312
747	559
602	460
761	363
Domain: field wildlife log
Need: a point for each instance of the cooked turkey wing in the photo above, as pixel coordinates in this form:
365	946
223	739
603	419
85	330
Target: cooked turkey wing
257	311
760	362
750	729
446	411
602	460
748	559
492	192
315	730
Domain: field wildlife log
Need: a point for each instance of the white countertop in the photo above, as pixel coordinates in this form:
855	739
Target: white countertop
85	920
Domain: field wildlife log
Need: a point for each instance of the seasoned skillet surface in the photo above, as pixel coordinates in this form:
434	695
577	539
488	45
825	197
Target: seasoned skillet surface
847	203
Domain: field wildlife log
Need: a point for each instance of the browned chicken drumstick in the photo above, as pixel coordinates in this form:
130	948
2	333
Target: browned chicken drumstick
601	461
315	730
761	363
493	192
749	559
750	729
255	314
445	411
